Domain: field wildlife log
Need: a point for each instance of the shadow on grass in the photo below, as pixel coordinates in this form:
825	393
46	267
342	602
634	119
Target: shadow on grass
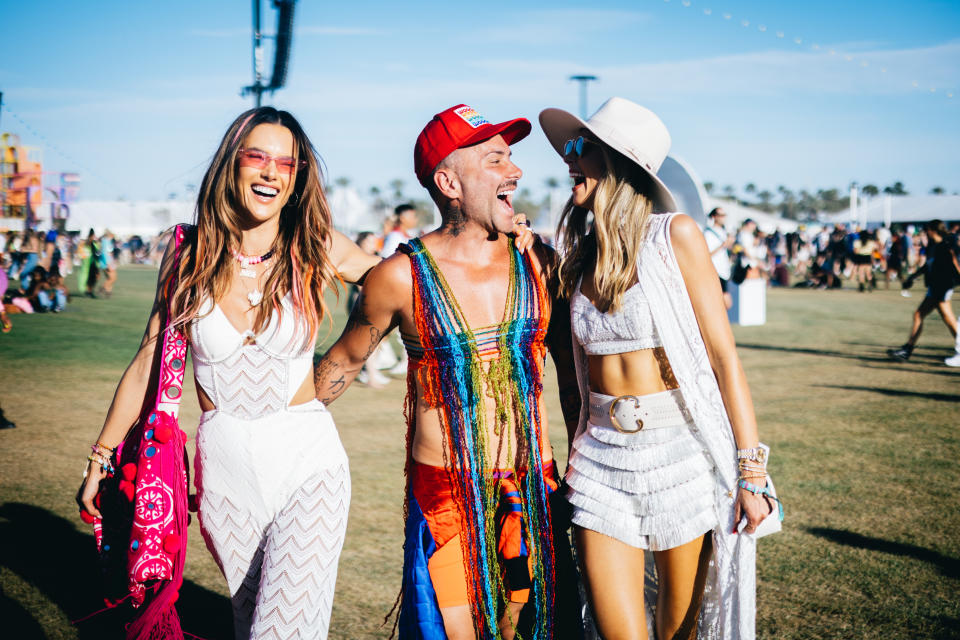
922	369
896	393
949	567
847	355
49	553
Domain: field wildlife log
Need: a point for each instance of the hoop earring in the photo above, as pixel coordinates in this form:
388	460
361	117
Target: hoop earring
293	200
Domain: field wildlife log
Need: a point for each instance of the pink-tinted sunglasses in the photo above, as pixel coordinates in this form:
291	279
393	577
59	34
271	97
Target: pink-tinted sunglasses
259	159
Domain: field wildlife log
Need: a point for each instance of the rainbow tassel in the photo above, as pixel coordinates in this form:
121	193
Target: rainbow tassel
454	380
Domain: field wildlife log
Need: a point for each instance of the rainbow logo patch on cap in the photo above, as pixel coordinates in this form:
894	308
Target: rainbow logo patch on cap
470	116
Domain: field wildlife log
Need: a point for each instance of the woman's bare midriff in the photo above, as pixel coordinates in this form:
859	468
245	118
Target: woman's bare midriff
636	373
303	395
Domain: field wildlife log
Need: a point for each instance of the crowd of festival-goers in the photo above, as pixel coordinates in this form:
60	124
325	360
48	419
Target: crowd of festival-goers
827	257
41	269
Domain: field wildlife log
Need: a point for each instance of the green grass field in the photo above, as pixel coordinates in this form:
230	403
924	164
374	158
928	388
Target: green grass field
865	457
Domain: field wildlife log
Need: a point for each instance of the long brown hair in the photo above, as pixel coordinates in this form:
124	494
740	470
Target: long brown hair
620	213
302	266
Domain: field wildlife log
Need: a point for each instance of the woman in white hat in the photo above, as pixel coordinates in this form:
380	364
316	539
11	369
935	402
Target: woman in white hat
666	450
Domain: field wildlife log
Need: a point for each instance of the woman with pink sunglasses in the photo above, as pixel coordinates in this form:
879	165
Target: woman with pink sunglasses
272	476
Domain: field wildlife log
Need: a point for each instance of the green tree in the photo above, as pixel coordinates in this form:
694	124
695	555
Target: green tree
870	190
895	189
765	198
937	191
708	187
397	185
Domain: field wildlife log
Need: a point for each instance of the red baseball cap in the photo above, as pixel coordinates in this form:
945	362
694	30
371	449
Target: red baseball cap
458	127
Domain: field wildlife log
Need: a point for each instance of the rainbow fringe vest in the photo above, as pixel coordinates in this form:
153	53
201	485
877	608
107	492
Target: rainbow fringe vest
456	381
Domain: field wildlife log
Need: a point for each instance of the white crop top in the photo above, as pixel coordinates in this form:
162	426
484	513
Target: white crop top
255	379
628	329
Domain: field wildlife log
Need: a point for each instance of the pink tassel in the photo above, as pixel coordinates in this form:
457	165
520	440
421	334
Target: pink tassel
159	619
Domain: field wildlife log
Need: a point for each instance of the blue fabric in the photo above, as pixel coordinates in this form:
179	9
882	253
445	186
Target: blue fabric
420	617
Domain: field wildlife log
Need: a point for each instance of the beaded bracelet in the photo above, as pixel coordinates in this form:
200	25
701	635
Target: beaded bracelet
764	491
102	461
99	450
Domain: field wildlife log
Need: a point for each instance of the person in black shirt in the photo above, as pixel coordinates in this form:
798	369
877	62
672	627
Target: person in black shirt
942	272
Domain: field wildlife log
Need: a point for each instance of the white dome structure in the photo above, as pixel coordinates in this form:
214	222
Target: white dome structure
686	187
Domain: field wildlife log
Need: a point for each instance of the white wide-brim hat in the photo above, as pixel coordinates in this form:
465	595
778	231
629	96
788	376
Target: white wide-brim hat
628	128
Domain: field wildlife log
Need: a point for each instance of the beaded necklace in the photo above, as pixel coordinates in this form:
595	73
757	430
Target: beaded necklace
246	262
455	381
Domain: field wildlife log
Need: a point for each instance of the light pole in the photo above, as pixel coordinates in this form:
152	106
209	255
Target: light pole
583	80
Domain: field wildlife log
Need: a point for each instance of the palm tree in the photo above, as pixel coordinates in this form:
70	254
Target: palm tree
708	187
730	191
552	183
936	191
750	188
765	197
870	190
397	185
896	189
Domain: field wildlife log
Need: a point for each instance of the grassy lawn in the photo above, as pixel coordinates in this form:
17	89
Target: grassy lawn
865	457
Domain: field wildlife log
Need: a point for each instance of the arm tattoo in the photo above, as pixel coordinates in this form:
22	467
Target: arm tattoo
322	373
358	318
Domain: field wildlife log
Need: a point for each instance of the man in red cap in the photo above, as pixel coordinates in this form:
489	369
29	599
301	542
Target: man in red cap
483	549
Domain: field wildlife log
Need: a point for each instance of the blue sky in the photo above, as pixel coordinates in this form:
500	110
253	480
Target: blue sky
136	95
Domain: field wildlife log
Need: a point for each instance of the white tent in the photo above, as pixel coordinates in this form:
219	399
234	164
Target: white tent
143	218
736	214
888	209
352	213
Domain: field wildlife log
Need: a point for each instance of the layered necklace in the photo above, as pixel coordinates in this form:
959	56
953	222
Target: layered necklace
247	271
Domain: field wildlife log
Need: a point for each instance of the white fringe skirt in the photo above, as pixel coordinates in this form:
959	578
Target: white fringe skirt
653	489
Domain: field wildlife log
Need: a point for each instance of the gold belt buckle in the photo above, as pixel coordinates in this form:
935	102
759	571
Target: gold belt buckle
613	419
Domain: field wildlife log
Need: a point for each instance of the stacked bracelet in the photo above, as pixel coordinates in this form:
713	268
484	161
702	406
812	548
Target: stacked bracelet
758	454
763	491
101	455
752	463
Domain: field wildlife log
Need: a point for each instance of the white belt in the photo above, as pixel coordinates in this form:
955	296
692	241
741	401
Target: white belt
630	414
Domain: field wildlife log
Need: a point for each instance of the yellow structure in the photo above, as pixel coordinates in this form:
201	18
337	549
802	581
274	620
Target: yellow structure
21	178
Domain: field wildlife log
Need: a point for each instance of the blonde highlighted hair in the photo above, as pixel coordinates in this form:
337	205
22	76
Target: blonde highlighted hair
302	266
620	213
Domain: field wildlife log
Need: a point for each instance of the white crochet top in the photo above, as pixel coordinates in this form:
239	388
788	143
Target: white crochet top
249	379
630	328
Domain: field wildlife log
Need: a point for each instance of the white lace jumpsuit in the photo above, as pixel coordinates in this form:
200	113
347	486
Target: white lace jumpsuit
273	481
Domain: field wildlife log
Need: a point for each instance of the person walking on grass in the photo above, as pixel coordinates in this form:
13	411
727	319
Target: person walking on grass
666	455
272	476
476	318
941	274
